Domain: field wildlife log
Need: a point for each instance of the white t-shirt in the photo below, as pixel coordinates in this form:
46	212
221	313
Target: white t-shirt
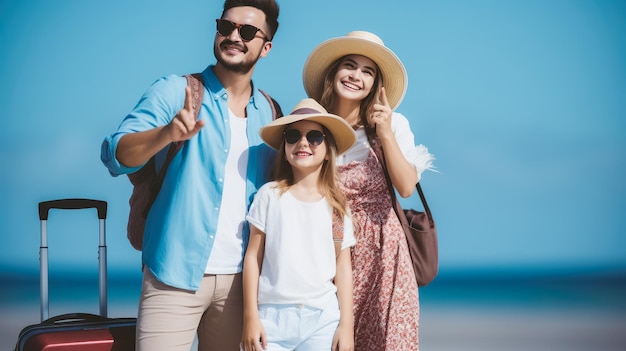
299	262
226	256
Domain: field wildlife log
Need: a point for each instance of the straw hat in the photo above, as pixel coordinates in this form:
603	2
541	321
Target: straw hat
310	110
395	79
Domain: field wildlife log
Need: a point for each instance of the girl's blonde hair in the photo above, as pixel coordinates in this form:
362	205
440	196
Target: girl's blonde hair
328	98
327	182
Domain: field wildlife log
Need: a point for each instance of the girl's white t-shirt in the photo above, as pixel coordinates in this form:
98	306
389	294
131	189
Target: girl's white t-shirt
299	261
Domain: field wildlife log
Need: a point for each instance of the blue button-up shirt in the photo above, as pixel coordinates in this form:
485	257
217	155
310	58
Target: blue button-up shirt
181	225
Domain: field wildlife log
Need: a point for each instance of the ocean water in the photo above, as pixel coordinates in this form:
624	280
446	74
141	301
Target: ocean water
461	311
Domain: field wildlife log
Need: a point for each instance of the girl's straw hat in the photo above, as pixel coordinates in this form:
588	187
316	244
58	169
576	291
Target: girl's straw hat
395	79
310	110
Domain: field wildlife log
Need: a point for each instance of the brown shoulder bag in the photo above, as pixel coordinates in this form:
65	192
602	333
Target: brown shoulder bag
419	227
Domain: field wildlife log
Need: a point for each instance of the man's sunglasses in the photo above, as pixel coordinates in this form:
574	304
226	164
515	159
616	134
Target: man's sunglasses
314	137
247	32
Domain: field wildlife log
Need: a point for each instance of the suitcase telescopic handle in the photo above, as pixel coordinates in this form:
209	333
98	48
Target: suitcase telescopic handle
72	204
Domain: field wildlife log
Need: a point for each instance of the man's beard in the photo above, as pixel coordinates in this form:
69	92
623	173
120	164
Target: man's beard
239	67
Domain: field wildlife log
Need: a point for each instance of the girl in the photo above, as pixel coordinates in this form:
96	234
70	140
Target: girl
297	284
361	80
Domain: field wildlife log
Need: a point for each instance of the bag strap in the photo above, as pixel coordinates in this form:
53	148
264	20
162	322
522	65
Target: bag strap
277	112
424	203
377	146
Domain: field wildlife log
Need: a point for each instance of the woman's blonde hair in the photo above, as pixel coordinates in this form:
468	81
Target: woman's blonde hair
327	182
329	97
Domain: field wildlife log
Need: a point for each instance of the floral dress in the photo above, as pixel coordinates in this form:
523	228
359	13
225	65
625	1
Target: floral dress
386	306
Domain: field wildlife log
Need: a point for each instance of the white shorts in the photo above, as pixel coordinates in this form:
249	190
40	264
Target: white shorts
299	327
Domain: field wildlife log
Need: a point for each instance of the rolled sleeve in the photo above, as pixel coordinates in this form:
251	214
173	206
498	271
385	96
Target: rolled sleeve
107	156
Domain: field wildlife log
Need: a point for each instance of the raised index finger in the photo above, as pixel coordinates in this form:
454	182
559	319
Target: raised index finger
188	100
383	97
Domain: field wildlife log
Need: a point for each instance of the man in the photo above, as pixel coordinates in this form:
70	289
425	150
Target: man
195	231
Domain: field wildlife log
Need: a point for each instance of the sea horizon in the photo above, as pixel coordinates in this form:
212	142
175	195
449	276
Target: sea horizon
496	309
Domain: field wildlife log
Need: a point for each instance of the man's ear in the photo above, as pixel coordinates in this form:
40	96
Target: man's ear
266	48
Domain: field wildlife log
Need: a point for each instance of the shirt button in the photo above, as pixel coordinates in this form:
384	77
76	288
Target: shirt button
221	180
216	209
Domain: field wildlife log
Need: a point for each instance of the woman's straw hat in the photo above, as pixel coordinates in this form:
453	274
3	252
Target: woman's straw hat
310	110
395	79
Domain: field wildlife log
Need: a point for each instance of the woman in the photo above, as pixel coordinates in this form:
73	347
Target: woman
361	80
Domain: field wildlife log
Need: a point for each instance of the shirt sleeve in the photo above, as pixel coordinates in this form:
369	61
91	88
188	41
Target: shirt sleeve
417	155
159	104
257	215
348	233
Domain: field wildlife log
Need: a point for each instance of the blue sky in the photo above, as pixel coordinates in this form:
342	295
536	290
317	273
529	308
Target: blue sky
522	102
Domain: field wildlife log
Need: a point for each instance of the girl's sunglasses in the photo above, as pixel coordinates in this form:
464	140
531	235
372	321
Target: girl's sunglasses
247	32
314	137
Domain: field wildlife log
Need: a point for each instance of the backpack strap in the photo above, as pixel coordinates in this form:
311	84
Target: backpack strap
277	112
196	83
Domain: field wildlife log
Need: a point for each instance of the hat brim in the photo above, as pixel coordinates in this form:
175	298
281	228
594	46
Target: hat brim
272	134
395	80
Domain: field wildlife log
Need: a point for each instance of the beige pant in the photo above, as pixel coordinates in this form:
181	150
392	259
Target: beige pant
169	318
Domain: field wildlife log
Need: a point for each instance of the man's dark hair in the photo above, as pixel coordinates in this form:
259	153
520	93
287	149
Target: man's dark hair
269	7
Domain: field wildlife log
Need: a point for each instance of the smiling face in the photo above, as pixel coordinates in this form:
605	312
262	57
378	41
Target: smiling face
236	54
355	77
304	154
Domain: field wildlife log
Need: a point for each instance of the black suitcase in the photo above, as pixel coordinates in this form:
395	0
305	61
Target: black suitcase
76	331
